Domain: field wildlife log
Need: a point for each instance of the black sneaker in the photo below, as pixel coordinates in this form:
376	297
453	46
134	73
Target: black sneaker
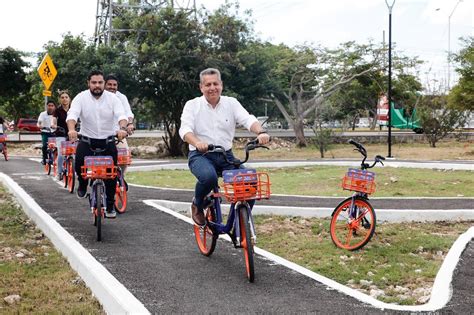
43	162
81	193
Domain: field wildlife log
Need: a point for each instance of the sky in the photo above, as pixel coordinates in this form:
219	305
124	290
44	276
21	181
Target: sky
419	27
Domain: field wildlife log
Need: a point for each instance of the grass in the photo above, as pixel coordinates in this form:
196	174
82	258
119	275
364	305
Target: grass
31	268
401	259
326	181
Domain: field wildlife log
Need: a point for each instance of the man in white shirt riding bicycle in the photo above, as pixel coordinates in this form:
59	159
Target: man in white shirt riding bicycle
44	122
99	111
211	119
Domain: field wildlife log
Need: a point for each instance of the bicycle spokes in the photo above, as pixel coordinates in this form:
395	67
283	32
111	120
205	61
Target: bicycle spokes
352	224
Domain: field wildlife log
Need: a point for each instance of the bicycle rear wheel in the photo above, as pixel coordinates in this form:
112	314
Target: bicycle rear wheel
71	175
206	238
352	228
246	242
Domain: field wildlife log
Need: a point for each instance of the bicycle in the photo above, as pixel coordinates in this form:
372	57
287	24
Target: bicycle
121	191
98	168
3	146
353	220
68	150
51	156
240	186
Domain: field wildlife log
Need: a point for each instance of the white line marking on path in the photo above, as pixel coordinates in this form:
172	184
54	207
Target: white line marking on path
440	294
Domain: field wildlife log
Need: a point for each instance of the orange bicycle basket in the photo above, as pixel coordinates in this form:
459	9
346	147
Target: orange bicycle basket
245	184
52	142
98	167
3	138
68	147
123	156
359	180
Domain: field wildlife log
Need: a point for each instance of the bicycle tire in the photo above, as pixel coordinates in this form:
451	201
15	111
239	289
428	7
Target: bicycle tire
71	175
206	238
65	173
120	195
246	242
98	211
55	165
48	166
352	233
5	153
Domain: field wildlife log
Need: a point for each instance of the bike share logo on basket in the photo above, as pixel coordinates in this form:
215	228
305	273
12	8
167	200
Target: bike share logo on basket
68	147
244	175
98	161
359	180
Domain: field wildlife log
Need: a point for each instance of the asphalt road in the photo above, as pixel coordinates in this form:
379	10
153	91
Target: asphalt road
155	256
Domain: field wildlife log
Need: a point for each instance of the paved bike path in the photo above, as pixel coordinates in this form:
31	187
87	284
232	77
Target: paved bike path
155	257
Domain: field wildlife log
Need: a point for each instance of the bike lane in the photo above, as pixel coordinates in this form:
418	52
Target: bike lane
156	258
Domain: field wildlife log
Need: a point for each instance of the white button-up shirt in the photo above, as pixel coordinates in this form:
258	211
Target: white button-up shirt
98	116
126	107
45	119
214	125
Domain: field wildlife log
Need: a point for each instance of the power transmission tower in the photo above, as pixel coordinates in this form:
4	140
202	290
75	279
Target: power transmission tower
107	10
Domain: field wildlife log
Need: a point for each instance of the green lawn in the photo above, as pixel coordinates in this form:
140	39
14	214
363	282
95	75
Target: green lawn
326	181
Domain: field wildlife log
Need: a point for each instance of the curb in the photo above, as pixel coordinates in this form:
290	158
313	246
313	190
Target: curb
112	294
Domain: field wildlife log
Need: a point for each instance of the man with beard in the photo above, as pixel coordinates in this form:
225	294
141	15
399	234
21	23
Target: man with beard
44	122
98	111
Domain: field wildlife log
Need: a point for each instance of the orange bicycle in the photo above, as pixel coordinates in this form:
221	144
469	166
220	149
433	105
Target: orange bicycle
52	157
98	168
3	146
68	150
124	158
353	220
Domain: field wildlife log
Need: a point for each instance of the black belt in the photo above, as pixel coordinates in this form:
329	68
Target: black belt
88	140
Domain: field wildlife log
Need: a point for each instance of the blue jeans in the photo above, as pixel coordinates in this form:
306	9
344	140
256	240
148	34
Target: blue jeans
206	168
60	156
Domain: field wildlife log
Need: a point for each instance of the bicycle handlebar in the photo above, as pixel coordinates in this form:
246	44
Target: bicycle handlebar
249	146
360	148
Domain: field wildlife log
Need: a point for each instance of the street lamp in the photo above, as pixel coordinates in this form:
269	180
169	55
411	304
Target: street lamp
449	44
389	6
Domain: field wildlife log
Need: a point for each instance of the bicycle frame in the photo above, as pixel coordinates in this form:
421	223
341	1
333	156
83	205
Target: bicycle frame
221	228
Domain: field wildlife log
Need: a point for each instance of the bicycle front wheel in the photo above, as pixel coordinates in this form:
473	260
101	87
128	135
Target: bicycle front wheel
246	242
65	173
120	196
206	238
71	175
98	213
353	227
5	153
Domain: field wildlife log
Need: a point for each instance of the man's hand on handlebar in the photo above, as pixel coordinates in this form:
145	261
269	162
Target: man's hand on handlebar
72	134
202	146
263	138
121	134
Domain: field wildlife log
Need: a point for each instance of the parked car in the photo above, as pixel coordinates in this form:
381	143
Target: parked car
25	124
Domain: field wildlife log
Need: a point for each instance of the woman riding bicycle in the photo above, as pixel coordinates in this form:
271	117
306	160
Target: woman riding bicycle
211	118
98	110
58	122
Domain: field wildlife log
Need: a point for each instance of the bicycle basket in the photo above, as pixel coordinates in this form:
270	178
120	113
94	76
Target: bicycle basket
68	147
98	167
123	156
52	142
359	180
3	138
245	184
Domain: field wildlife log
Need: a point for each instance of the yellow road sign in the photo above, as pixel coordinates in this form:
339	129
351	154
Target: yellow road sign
47	71
46	93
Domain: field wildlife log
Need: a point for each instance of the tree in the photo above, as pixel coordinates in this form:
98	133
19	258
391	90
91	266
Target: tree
436	119
14	84
307	76
462	94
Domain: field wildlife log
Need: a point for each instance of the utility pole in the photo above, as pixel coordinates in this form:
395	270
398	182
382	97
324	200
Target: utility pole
390	6
449	44
107	10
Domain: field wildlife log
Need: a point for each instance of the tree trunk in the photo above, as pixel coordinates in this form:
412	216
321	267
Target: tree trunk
299	133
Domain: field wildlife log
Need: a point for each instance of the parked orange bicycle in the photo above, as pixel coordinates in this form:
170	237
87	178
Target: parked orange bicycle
353	220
